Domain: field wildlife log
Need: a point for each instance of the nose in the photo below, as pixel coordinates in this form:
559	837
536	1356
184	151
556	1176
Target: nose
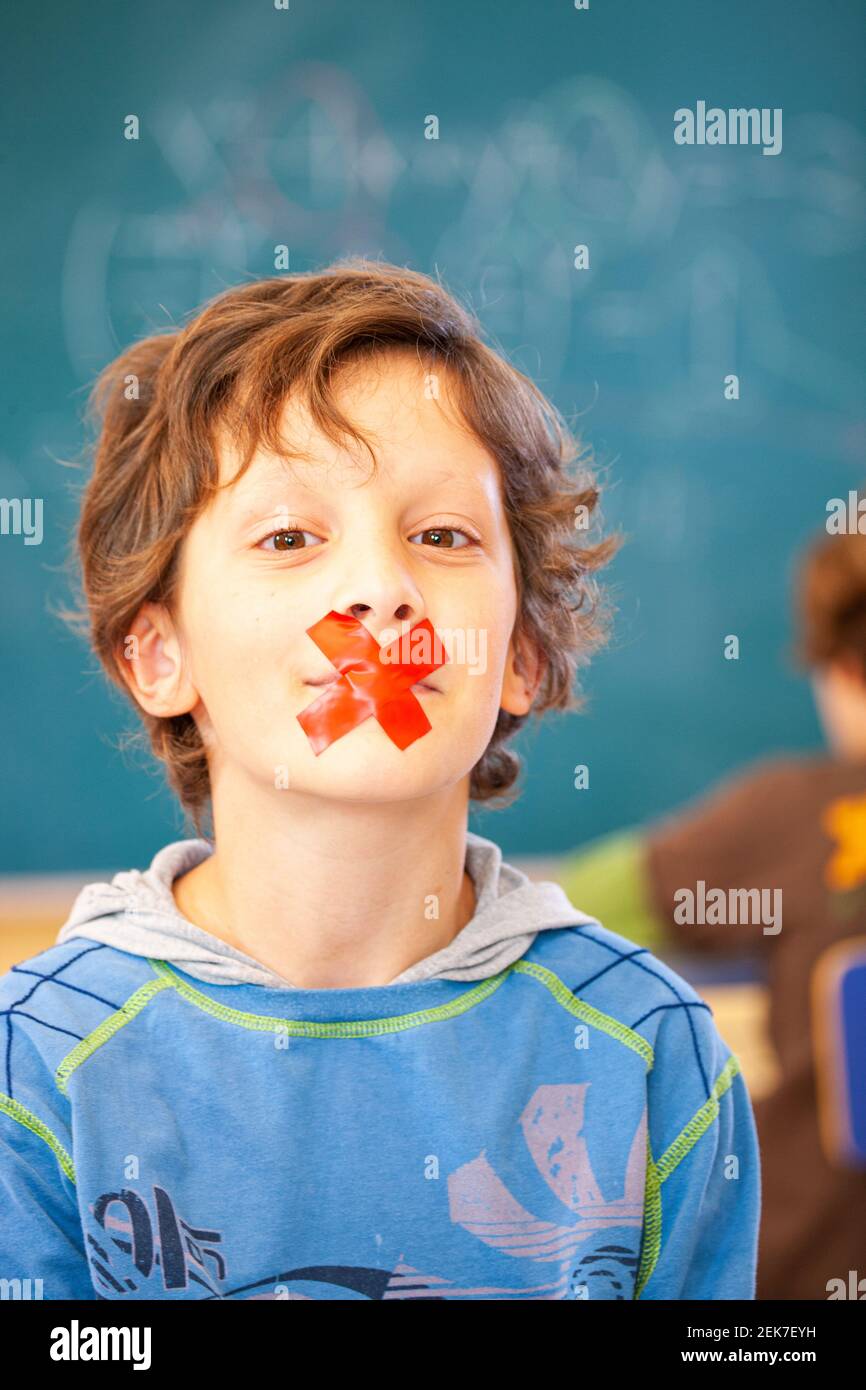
387	613
377	585
403	613
386	623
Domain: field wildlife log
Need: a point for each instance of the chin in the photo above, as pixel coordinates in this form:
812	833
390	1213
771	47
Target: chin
381	774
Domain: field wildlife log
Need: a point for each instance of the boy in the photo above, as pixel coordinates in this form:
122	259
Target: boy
338	1048
795	825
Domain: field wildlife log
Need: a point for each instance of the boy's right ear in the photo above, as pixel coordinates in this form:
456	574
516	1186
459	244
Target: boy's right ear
152	665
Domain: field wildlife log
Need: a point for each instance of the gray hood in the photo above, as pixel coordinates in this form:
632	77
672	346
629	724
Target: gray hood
136	912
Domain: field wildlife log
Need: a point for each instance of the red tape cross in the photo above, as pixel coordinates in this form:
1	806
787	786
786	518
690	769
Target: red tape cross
367	685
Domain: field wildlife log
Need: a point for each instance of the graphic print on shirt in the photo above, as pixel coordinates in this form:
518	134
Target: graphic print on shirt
592	1252
163	1241
552	1126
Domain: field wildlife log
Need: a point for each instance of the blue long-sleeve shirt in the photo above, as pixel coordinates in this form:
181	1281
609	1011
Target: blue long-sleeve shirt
572	1127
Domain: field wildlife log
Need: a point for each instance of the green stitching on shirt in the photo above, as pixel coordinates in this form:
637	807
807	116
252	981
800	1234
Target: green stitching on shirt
564	996
652	1228
260	1022
658	1173
107	1028
302	1028
372	1027
25	1117
699	1123
364	1028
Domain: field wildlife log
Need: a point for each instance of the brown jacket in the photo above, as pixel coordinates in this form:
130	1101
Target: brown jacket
768	829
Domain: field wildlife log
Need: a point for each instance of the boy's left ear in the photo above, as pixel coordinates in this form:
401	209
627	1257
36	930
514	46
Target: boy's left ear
524	671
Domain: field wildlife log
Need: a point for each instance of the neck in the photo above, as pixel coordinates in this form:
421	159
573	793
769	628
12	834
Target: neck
331	894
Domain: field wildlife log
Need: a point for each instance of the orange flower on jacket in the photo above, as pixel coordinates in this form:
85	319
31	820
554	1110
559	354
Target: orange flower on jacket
845	821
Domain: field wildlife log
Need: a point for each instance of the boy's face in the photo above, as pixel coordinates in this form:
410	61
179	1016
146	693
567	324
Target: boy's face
424	537
840	696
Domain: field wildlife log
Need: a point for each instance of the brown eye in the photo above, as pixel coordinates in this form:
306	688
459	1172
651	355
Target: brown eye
443	537
288	539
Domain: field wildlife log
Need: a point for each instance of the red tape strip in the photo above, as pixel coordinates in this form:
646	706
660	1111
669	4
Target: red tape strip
367	685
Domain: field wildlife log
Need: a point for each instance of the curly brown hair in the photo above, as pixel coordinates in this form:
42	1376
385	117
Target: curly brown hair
155	467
